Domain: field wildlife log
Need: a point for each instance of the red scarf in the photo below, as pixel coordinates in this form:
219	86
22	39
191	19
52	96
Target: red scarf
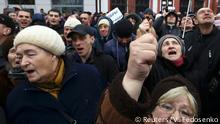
179	62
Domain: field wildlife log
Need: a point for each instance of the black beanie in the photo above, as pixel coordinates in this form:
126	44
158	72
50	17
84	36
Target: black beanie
170	83
123	28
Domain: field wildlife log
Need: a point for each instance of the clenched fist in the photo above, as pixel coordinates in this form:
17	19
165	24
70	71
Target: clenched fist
143	52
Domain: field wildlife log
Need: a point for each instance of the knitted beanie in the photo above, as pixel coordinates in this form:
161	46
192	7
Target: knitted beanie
43	37
72	22
123	28
162	39
103	21
173	82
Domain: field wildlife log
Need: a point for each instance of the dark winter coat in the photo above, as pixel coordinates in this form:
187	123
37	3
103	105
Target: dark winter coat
104	63
163	68
163	29
205	57
77	100
102	40
120	52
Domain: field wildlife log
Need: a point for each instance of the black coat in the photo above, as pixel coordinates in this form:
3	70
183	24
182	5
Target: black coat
78	99
205	58
105	64
163	68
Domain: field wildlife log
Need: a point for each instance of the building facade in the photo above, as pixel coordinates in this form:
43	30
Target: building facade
107	5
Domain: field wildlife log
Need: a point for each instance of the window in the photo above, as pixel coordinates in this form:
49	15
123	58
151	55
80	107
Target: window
141	5
67	2
121	4
67	5
27	2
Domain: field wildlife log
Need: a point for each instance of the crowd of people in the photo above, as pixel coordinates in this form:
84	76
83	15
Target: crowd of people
82	68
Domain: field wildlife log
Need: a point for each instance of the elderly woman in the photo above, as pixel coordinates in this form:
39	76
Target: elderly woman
171	60
126	101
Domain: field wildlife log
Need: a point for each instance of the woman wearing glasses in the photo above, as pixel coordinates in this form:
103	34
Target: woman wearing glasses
126	101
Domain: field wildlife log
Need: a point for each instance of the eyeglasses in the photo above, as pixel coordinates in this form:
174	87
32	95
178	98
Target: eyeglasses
170	109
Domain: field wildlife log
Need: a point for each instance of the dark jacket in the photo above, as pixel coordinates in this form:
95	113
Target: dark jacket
120	52
205	57
57	28
163	29
163	68
77	99
104	63
102	40
2	116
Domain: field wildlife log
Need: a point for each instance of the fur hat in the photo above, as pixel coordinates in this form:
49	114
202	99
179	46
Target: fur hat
173	82
72	22
43	37
103	21
123	28
162	39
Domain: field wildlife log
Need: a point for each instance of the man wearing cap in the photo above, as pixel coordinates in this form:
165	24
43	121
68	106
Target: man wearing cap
118	47
82	40
7	28
170	26
105	29
57	91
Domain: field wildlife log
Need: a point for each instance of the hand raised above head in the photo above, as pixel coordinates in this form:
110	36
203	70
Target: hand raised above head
143	52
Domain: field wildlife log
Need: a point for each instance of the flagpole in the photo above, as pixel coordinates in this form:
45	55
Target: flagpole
187	14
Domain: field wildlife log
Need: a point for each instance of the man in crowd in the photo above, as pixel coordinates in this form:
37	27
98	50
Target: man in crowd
24	19
170	25
85	18
118	47
54	19
57	91
82	40
206	60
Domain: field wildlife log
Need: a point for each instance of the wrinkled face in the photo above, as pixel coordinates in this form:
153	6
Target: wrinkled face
66	31
177	110
103	30
85	19
205	16
188	21
24	19
38	64
171	19
171	49
53	18
82	44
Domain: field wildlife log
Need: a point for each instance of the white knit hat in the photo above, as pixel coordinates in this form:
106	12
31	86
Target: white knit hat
103	21
72	22
43	37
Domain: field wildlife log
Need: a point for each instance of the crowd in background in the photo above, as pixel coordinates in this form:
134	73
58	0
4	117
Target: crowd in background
82	68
